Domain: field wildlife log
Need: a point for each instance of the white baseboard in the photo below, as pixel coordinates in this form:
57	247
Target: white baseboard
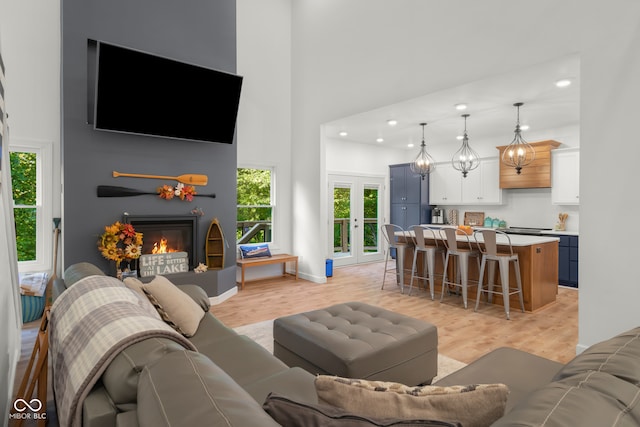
312	278
225	296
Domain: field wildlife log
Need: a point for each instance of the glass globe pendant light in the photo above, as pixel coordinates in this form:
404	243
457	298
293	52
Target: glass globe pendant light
519	153
465	159
423	163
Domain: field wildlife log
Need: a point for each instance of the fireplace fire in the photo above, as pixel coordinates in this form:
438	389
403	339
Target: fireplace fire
163	247
168	233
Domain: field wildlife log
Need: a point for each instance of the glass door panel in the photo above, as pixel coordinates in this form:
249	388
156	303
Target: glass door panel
356	219
341	220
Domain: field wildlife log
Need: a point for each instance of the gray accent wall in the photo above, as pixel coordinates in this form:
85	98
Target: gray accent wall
201	32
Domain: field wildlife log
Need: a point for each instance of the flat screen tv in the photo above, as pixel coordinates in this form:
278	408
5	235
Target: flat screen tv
141	93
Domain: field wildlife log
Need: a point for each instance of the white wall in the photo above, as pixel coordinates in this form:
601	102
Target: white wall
264	116
609	289
31	34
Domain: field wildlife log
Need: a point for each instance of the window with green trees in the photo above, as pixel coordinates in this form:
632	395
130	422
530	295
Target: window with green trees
255	205
24	174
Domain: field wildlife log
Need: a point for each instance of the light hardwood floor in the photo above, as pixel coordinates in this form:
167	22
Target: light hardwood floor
462	334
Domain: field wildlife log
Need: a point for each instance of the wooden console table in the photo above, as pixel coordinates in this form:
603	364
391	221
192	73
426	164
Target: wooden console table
274	259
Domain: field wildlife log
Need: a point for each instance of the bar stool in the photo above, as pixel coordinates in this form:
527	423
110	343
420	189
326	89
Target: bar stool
421	234
490	254
463	252
391	233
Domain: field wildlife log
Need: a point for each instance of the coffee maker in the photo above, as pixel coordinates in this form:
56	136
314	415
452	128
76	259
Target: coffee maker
437	215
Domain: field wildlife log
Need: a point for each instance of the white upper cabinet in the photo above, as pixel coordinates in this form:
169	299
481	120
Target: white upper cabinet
482	185
447	186
565	176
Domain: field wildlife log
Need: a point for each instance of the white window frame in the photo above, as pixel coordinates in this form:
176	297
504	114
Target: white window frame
44	201
272	201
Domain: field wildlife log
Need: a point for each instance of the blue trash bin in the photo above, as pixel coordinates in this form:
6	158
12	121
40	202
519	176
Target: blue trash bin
329	268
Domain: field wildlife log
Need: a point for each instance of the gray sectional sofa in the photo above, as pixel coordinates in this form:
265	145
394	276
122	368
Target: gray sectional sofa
236	371
157	382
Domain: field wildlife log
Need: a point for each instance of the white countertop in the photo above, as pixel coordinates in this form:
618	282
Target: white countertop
516	239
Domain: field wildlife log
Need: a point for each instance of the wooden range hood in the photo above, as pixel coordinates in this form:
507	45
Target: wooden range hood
537	174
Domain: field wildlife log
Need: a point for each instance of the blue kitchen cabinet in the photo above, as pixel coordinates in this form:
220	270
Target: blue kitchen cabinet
409	195
568	261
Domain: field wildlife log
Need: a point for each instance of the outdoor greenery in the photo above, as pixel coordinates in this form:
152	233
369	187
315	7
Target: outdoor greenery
254	204
342	210
23	177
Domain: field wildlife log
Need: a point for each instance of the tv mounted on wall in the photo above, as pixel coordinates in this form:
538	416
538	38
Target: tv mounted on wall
141	93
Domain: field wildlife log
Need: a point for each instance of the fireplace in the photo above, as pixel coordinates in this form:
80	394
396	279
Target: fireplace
179	233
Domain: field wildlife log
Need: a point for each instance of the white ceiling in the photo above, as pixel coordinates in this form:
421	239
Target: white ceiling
490	105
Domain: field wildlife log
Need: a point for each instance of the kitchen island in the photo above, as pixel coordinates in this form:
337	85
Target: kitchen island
538	266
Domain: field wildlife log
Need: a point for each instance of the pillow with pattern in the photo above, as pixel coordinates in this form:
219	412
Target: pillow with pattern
475	405
255	251
288	412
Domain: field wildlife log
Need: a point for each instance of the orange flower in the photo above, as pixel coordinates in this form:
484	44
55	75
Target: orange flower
184	192
188	191
166	192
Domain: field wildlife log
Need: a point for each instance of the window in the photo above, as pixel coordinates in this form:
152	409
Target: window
256	204
32	204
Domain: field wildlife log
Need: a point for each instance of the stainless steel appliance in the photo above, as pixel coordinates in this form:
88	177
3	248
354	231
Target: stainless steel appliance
437	216
529	231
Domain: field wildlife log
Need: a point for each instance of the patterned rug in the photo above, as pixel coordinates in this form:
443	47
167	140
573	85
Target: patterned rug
262	333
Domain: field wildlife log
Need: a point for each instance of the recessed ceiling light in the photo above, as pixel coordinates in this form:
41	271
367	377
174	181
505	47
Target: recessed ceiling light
380	140
524	127
410	145
392	122
563	83
459	137
461	107
343	133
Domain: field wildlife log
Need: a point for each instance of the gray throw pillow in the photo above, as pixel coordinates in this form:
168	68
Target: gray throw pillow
176	307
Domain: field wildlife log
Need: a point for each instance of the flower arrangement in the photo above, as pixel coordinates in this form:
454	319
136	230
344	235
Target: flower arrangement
184	192
120	242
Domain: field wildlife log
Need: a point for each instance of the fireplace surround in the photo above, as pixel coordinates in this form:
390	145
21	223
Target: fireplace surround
180	232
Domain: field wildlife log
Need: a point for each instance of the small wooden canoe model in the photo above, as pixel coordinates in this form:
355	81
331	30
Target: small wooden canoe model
215	246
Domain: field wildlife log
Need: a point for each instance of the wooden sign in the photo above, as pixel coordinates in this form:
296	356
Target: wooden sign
172	262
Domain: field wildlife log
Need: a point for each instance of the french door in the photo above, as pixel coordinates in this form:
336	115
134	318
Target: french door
355	217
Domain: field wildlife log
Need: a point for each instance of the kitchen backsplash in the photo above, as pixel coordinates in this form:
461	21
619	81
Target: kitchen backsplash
529	207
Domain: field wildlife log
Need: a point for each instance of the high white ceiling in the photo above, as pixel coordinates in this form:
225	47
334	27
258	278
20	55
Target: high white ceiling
490	105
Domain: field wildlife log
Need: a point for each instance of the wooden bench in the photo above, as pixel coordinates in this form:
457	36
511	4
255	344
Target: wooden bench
283	259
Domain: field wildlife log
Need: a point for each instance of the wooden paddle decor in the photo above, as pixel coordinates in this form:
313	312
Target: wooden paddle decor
188	178
114	191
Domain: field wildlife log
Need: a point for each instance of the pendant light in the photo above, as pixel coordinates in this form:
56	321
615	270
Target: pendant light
519	153
465	159
423	163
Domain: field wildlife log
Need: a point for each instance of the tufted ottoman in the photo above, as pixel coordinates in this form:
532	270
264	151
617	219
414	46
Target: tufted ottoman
358	340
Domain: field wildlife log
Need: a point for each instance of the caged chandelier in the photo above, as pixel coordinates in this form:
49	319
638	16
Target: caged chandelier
423	163
519	153
465	159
